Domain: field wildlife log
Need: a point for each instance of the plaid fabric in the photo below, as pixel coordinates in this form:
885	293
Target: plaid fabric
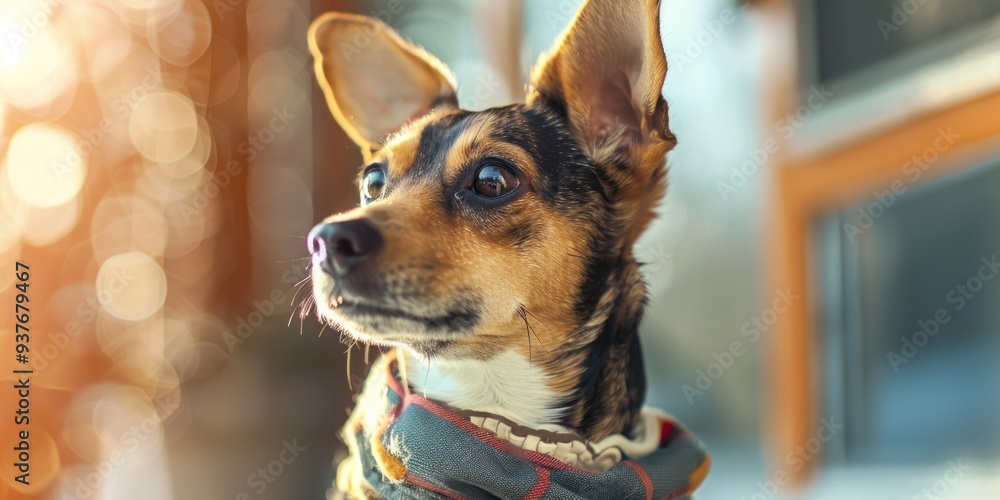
416	448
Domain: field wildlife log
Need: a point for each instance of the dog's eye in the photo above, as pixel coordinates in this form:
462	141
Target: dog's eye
373	185
494	181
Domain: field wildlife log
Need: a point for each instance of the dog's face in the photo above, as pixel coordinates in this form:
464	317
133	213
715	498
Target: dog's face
480	221
476	226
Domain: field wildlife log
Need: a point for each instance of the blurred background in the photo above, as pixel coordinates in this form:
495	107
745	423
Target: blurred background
824	310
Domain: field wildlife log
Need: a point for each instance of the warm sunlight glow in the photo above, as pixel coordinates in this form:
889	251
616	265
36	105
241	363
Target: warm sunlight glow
131	286
36	65
44	165
164	126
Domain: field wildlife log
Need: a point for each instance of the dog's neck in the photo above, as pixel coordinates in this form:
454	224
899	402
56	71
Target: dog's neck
507	385
601	364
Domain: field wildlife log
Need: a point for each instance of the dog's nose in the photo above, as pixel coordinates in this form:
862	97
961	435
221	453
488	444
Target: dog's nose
338	247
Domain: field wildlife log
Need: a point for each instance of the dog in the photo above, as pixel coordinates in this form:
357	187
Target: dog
491	258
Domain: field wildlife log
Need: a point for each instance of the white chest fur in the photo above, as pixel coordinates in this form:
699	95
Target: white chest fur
505	385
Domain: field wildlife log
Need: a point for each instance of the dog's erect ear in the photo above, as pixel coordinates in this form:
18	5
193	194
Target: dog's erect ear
373	80
607	72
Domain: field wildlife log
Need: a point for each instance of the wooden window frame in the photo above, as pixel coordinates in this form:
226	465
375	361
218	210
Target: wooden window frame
809	181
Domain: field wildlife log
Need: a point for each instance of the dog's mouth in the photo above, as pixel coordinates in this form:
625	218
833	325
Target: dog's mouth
387	319
453	320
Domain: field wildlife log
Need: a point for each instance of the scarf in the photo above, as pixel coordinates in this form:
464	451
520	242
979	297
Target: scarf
404	445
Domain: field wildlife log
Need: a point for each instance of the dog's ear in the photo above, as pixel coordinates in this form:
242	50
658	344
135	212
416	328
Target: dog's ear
374	81
607	72
606	75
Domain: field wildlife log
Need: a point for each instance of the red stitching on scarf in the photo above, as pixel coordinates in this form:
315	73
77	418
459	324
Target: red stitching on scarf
421	483
643	476
542	485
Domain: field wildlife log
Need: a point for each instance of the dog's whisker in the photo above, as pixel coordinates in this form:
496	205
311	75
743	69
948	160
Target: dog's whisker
350	384
294	309
292	315
536	318
426	374
292	260
527	331
535	332
323	330
303	281
547	351
296	295
531	331
302	322
300	305
298	288
367	346
306	306
531	358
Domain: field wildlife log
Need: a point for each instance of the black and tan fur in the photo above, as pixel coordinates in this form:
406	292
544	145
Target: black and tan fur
550	272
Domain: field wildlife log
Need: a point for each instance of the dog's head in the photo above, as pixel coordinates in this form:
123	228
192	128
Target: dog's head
475	225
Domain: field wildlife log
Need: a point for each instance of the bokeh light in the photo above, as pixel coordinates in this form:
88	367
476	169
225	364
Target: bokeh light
126	222
114	139
46	226
44	165
36	65
131	286
126	420
164	126
104	38
181	38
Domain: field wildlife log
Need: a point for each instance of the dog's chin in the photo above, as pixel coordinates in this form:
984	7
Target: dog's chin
422	328
424	336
